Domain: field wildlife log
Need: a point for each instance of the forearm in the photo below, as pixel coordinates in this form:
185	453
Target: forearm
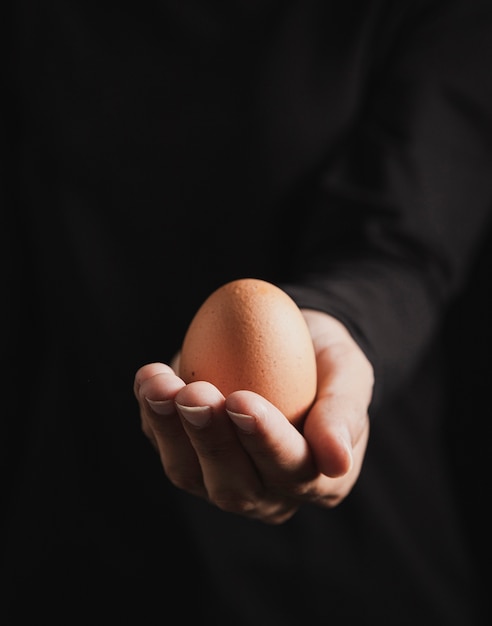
412	197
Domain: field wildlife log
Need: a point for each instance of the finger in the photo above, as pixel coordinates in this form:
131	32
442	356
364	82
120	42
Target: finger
328	430
279	451
145	373
148	371
230	478
337	425
282	455
162	424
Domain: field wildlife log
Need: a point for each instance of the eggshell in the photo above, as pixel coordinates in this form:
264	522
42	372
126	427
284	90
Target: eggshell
250	334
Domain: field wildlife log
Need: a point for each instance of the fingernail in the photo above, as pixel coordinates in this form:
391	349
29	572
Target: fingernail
246	423
198	416
348	447
162	407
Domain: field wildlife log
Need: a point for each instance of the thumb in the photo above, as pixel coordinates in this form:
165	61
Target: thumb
337	425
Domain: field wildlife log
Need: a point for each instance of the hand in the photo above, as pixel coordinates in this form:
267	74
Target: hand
241	454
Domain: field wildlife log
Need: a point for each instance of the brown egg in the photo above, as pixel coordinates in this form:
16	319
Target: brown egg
249	334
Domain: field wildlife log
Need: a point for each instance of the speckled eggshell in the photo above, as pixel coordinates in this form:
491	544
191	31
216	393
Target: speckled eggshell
250	334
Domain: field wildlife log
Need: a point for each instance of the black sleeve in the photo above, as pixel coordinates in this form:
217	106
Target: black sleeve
398	222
